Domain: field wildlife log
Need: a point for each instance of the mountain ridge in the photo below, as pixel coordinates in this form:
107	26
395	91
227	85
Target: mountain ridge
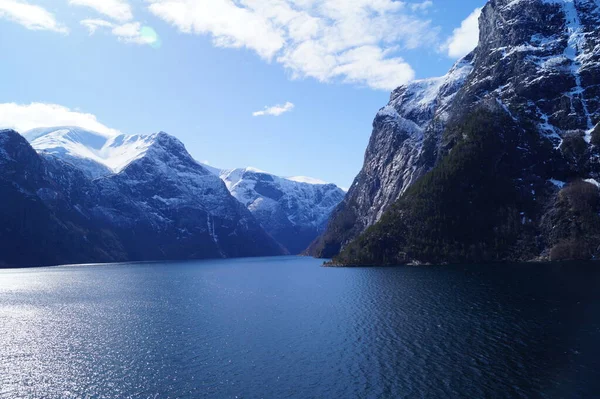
119	166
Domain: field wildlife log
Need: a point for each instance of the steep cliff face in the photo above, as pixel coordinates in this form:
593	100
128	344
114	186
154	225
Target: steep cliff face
537	70
402	148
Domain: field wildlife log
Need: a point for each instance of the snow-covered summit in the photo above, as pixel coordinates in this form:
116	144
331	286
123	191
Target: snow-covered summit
293	210
95	153
419	101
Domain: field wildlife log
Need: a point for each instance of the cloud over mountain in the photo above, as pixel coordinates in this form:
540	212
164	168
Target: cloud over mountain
329	40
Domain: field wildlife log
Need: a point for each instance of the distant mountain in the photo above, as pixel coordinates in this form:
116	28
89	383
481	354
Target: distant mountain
160	203
90	198
497	160
293	210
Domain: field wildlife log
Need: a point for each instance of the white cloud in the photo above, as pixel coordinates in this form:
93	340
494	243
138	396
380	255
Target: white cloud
131	32
422	6
125	29
230	25
30	16
275	110
94	24
118	10
322	39
465	38
25	117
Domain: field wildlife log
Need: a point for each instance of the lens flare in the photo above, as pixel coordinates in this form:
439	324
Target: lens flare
150	36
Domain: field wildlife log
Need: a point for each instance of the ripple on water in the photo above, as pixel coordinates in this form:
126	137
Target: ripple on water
287	328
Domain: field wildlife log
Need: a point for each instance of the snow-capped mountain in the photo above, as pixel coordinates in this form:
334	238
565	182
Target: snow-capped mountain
293	210
94	153
177	205
532	89
161	204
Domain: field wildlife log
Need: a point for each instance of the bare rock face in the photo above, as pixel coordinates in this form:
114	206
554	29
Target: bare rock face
537	64
403	147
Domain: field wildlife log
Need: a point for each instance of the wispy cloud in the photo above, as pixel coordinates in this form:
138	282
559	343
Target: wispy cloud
422	6
119	10
465	38
275	110
93	25
131	32
122	25
323	39
25	117
31	16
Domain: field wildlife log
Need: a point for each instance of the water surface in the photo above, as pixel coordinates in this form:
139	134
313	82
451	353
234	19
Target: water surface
288	328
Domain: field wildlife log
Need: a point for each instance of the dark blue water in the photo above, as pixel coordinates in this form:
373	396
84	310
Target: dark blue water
288	328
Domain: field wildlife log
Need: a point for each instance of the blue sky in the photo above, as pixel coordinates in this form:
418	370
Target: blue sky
203	70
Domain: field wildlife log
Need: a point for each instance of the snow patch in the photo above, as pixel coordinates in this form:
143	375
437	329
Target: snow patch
306	179
593	181
79	146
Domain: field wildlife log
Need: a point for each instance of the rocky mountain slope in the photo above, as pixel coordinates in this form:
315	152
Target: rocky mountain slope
41	216
160	205
293	210
489	162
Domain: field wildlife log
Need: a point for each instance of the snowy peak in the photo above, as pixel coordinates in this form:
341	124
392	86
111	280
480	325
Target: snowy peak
419	101
77	134
405	140
120	151
293	210
161	147
99	154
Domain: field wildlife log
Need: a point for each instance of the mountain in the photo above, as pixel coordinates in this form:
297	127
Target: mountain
293	210
496	161
159	205
164	203
42	215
